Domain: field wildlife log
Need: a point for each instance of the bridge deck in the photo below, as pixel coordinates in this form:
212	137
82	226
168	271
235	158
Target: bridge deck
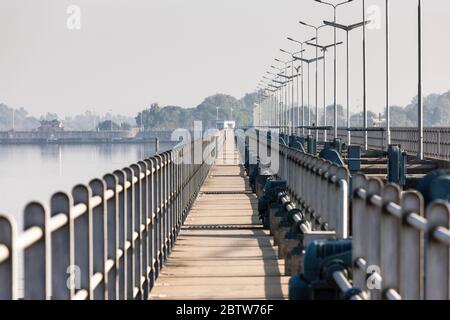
222	251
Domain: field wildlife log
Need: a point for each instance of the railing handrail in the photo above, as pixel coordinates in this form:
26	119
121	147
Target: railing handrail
330	176
413	260
177	183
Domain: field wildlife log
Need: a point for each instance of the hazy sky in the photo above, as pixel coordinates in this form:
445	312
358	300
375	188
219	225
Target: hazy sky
129	53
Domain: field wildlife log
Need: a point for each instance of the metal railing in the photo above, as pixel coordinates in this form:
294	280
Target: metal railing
436	140
400	249
108	239
319	187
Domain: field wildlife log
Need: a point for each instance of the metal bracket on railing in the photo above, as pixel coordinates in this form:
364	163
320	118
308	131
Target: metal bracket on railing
354	158
311	144
268	202
396	165
327	265
336	144
435	185
332	155
297	143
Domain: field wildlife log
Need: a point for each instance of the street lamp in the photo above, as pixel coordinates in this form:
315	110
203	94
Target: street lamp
264	107
292	77
279	102
285	116
289	79
335	6
297	69
308	62
364	77
282	95
347	29
258	105
388	115
275	96
279	93
111	117
316	28
420	89
324	50
301	43
268	102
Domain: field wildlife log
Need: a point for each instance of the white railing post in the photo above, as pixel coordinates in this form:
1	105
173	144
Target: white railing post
129	223
112	238
122	236
98	188
152	256
144	176
437	267
137	234
62	249
411	248
8	259
360	231
373	227
37	272
341	219
390	240
83	241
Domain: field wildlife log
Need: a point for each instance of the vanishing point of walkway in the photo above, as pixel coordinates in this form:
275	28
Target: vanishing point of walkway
222	251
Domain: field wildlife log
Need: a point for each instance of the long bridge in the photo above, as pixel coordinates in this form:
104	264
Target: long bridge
255	218
290	208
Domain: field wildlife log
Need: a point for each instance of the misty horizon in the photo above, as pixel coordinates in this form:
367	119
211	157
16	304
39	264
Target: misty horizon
176	53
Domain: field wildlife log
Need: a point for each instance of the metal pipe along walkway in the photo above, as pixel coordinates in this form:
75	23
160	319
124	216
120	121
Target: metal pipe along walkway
222	251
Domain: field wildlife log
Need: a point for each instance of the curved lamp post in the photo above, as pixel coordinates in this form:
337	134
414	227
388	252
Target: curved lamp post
308	62
347	29
301	43
335	6
316	28
324	50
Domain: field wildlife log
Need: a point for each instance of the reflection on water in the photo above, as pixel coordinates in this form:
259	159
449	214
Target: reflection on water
35	172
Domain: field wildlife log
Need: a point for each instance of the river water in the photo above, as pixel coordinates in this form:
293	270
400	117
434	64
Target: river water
35	172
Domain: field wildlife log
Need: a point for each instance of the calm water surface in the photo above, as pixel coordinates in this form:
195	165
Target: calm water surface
35	172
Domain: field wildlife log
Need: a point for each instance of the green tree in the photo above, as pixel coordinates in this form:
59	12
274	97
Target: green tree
108	125
341	115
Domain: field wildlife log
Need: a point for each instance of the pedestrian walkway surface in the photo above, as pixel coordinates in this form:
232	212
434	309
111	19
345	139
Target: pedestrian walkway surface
222	251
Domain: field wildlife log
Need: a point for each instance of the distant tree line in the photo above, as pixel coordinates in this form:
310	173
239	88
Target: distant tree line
155	117
436	113
172	117
87	121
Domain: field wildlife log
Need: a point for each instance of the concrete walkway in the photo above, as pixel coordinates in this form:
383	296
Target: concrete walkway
222	251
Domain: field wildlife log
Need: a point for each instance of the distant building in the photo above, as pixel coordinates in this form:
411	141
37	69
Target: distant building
380	122
222	124
51	126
